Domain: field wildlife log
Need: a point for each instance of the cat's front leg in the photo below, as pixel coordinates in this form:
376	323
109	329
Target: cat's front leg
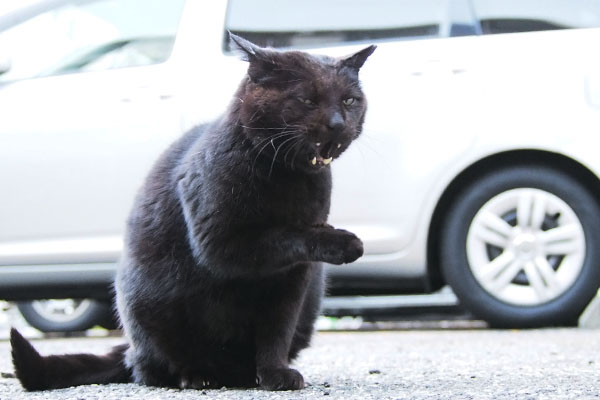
334	246
275	328
282	378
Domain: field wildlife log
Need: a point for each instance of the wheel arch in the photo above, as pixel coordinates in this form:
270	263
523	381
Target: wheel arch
534	158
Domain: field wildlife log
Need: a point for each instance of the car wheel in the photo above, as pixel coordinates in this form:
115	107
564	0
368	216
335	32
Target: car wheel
66	315
519	247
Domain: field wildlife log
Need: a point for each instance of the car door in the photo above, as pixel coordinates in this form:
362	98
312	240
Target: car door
87	106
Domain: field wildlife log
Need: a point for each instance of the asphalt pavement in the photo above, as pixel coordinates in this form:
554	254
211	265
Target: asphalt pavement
400	364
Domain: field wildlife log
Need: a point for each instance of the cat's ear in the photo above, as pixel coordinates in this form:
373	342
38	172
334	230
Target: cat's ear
265	64
249	50
356	60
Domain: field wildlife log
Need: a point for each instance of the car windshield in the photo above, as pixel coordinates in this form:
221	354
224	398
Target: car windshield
88	35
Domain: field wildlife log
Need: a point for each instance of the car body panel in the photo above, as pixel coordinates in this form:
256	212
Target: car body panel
436	107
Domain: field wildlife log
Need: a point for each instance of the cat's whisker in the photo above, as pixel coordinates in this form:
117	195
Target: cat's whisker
364	145
265	142
369	143
263	128
282	128
254	115
365	141
269	141
298	127
290	147
296	154
292	125
277	152
275	137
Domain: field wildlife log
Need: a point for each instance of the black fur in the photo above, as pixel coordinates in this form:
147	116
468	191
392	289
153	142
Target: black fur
52	372
221	278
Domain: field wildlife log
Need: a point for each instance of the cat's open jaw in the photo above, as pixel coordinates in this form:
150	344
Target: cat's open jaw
323	155
320	160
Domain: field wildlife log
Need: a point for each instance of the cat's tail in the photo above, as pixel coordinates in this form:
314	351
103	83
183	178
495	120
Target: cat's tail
38	372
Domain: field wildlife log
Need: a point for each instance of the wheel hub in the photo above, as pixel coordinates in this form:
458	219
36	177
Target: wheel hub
525	244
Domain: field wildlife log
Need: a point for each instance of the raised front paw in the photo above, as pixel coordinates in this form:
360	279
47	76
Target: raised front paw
280	379
338	246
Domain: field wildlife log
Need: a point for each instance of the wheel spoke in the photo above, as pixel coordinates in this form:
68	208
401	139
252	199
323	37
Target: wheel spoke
538	212
490	271
495	223
560	233
562	248
542	289
524	208
564	239
505	276
547	273
490	235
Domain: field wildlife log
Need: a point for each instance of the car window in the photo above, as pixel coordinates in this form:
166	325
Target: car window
508	16
90	35
317	23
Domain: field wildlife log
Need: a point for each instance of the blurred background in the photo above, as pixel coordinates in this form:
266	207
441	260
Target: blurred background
474	186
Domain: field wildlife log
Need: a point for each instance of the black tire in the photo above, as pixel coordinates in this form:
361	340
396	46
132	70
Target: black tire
567	306
95	313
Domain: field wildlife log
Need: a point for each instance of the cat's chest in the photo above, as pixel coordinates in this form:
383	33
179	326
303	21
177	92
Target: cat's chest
296	201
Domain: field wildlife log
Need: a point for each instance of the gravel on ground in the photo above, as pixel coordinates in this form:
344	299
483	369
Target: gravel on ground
405	364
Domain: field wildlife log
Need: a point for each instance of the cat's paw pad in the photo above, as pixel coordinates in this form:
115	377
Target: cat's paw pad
280	379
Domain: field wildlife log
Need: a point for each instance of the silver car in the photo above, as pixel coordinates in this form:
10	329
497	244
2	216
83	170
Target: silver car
478	167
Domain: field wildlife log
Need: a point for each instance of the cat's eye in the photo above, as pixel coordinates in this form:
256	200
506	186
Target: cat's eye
349	101
308	102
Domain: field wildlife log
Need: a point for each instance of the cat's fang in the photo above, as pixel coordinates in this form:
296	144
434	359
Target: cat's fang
314	161
327	160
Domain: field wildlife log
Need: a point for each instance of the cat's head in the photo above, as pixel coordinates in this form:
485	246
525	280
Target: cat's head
298	109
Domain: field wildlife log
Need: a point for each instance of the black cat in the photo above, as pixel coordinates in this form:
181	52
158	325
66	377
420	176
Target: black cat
221	281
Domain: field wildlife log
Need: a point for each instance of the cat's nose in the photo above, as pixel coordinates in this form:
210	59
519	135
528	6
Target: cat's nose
336	122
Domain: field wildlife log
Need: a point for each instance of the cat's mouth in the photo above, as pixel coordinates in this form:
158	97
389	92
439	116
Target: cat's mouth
323	154
320	161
